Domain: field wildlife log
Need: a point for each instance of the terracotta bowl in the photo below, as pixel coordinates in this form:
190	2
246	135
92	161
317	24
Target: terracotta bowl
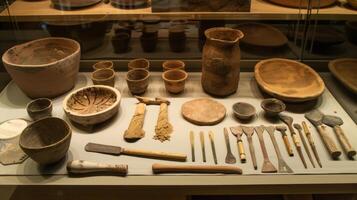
272	106
106	64
174	80
243	111
140	63
46	67
47	140
138	80
173	64
92	104
39	108
103	77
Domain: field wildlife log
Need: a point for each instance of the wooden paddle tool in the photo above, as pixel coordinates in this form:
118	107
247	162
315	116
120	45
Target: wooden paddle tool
238	131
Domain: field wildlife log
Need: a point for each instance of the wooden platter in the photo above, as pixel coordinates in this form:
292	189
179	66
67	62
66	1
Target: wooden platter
288	80
262	35
345	70
304	3
203	111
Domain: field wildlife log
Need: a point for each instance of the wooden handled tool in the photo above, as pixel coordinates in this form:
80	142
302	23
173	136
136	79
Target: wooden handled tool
135	130
114	150
192	142
237	131
268	166
211	138
249	131
163	168
83	167
282	130
203	148
299	128
315	117
311	141
230	159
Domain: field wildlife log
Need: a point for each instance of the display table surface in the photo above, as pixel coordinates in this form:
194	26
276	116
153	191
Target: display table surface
334	173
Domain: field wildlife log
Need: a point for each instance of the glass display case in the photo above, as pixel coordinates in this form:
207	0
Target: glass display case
189	83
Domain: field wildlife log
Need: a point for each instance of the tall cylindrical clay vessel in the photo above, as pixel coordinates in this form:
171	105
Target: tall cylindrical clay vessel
221	61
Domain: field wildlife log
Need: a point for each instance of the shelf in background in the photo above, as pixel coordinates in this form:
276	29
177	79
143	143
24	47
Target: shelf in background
22	10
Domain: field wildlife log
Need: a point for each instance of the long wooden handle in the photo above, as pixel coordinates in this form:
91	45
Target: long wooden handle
83	167
252	152
346	145
156	154
287	145
241	151
163	168
307	133
135	130
329	143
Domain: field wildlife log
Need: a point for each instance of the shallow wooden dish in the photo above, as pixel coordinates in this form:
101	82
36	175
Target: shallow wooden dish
345	70
92	104
288	80
262	35
304	3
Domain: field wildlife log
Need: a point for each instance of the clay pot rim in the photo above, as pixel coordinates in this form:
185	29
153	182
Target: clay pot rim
135	70
174	80
67	136
273	101
136	60
118	36
103	87
244	115
103	62
166	62
51	64
40	110
103	79
208	31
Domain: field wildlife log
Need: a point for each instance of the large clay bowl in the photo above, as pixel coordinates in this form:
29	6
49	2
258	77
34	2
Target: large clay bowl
345	70
47	140
44	68
304	3
92	104
288	80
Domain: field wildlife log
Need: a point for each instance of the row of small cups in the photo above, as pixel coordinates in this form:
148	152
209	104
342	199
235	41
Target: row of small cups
137	78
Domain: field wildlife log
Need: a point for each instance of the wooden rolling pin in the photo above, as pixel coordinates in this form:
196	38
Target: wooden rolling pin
83	167
164	168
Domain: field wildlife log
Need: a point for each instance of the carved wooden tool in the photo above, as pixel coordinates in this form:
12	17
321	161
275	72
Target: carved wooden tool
163	168
336	122
299	128
135	130
268	167
114	150
282	166
237	131
83	167
289	122
249	131
211	138
311	141
282	130
192	142
202	139
315	117
230	159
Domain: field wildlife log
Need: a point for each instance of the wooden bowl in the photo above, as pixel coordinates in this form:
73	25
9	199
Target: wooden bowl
288	80
174	80
345	70
140	63
304	3
47	140
45	67
39	108
272	106
243	111
92	104
106	64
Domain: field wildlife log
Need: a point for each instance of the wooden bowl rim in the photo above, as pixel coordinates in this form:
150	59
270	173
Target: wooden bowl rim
332	67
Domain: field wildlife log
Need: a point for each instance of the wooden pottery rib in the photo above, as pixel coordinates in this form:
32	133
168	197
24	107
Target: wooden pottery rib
203	111
268	166
303	3
262	35
345	70
288	80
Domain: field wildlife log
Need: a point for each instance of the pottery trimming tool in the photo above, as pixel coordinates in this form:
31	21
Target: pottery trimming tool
192	142
211	138
311	141
202	139
230	159
268	166
299	128
282	130
249	131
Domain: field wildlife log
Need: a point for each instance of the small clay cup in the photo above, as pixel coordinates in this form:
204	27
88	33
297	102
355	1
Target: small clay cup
273	107
174	80
39	108
121	42
140	63
173	64
138	80
122	29
106	64
177	39
47	140
243	111
103	77
148	43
